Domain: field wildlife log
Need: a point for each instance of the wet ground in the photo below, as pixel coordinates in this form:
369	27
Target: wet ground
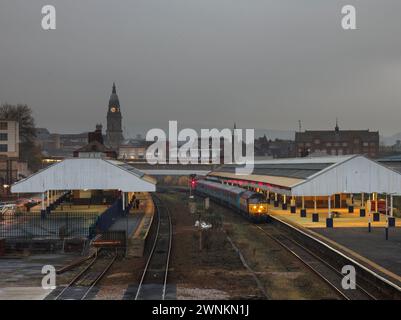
21	277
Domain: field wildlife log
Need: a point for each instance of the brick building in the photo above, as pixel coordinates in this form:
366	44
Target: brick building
337	142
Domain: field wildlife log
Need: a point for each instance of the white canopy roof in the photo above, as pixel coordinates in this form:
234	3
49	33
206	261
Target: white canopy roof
355	174
85	173
320	176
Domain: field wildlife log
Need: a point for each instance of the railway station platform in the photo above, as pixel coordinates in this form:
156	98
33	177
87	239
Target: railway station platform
352	237
133	220
341	218
140	223
372	247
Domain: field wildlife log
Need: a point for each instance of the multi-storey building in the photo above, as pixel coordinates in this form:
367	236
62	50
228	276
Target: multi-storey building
337	142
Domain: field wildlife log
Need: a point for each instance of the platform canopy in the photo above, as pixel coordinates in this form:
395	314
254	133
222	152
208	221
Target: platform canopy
86	174
318	176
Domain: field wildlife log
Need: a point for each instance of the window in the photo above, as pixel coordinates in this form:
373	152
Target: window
3	125
317	141
328	144
365	144
3	148
345	144
3	136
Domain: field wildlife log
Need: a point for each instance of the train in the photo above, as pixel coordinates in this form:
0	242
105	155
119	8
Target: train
251	205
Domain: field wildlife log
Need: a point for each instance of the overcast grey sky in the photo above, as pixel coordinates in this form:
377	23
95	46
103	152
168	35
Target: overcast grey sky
261	63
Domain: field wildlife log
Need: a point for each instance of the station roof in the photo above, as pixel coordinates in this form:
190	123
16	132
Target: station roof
86	174
393	158
317	176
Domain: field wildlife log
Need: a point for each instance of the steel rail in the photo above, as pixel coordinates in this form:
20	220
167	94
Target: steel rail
100	276
168	254
151	254
333	286
145	271
72	283
76	278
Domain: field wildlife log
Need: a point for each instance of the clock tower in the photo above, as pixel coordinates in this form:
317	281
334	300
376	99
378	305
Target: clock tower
114	132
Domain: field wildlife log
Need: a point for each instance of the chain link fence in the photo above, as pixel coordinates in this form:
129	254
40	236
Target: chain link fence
29	225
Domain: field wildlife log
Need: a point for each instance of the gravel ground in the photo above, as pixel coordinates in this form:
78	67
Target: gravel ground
216	272
282	275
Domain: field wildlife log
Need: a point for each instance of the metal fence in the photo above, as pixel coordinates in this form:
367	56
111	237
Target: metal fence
29	225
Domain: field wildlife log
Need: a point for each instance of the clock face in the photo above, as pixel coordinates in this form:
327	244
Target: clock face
114	109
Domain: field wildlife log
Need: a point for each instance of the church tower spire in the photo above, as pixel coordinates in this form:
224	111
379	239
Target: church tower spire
114	132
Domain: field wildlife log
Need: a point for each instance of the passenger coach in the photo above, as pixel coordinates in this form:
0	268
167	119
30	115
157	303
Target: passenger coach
250	204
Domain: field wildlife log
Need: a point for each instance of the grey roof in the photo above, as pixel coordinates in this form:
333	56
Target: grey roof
299	168
341	135
394	158
136	143
299	171
128	168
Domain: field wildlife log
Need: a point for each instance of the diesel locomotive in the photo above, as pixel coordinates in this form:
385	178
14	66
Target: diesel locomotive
251	205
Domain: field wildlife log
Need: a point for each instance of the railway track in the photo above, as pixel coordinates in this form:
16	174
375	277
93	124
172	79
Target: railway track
83	284
153	283
317	265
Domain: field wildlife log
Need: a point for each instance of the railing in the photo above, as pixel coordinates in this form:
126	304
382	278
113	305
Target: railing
30	225
107	218
59	225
